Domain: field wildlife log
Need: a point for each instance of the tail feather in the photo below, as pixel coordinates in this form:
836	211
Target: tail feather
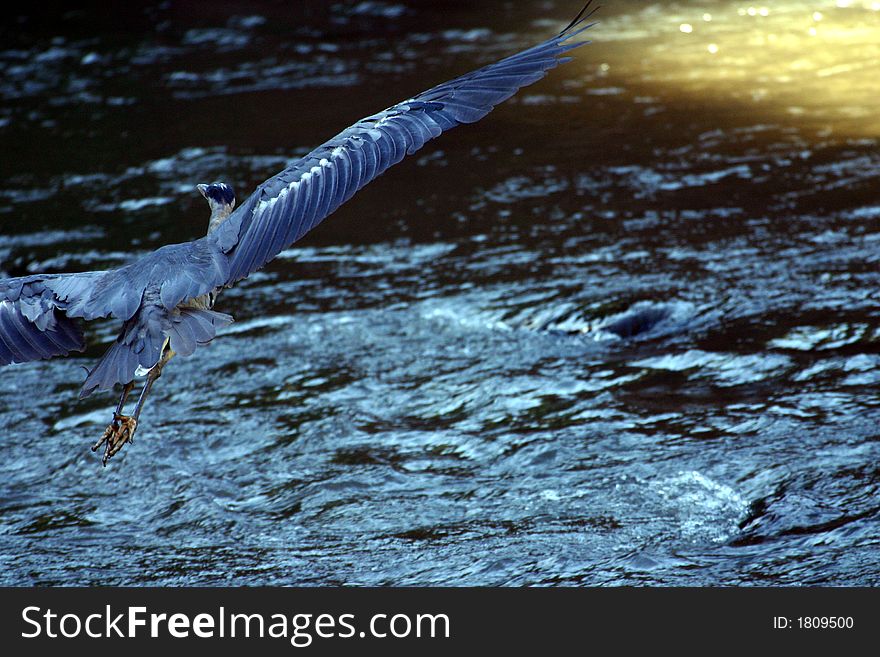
143	337
195	326
117	365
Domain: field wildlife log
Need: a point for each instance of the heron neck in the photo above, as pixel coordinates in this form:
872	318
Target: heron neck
218	216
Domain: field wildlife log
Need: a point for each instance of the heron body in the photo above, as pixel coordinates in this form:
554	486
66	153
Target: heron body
165	299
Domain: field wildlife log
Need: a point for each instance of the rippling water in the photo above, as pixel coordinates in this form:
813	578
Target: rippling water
623	331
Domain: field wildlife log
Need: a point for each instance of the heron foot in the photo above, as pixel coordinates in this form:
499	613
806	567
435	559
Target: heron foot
119	432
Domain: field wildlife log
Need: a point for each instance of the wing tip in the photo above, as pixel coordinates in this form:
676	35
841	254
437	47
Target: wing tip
583	15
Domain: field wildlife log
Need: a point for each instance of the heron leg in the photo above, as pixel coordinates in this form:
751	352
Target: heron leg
122	429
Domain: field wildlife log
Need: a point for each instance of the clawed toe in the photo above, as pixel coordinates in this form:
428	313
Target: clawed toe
119	432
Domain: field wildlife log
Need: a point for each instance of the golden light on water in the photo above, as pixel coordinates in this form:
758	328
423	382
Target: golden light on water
814	62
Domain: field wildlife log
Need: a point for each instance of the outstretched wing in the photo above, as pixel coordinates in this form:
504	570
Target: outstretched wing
285	207
33	324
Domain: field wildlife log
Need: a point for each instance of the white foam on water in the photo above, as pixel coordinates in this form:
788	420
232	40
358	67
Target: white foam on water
705	509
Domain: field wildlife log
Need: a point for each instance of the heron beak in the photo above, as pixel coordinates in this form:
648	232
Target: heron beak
202	189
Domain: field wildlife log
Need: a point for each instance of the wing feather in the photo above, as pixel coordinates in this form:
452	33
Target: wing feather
290	204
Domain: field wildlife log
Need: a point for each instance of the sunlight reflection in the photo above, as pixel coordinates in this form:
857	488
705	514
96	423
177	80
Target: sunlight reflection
817	61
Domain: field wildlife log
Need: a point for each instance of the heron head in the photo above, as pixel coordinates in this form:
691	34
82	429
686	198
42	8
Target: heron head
221	200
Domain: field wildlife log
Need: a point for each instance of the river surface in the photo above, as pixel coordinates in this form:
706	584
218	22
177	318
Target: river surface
623	331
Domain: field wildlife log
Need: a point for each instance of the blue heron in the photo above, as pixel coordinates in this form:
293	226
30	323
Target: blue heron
165	299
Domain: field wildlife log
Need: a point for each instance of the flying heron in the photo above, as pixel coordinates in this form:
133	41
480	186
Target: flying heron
165	299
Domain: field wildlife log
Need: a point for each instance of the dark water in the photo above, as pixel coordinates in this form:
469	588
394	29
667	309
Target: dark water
624	331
